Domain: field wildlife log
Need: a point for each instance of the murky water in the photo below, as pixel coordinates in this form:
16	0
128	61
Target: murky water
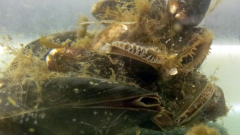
28	20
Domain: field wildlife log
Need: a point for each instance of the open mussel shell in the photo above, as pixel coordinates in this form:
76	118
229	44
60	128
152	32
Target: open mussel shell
83	105
85	61
190	99
191	46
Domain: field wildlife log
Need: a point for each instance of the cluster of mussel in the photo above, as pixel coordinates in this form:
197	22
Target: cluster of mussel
139	71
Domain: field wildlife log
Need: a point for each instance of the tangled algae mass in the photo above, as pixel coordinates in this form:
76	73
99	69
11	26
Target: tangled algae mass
137	75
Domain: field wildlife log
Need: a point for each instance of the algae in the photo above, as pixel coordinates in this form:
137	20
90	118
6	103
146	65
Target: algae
142	46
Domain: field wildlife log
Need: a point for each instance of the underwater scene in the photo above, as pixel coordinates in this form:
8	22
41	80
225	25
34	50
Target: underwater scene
119	67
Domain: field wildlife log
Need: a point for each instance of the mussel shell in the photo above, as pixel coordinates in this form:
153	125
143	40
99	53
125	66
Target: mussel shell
217	107
86	97
88	121
92	92
126	68
188	12
193	99
180	40
66	59
36	46
82	105
144	75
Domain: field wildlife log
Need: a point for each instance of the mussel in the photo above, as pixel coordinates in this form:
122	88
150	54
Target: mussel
139	73
159	41
188	12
